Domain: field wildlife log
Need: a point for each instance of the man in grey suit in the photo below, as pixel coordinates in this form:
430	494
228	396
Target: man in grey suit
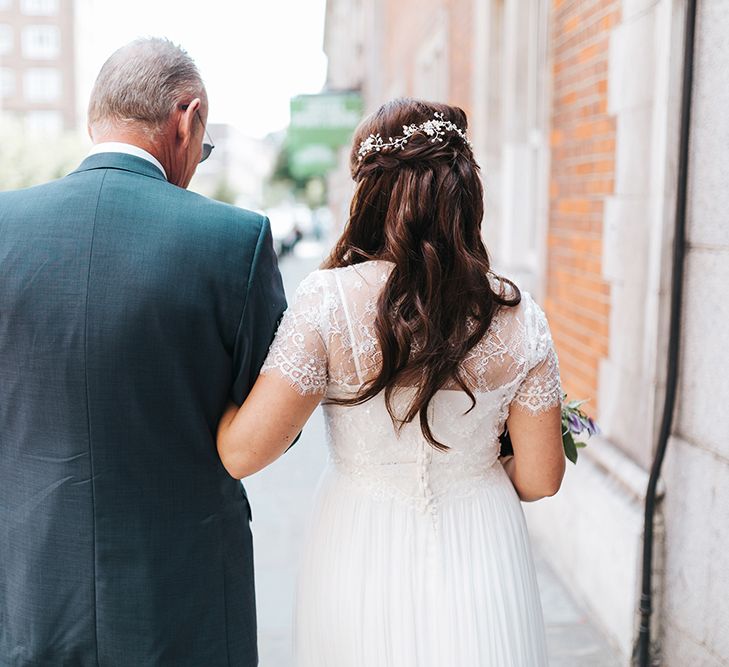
131	310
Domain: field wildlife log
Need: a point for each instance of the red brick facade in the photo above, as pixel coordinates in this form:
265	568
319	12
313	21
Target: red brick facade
581	137
581	176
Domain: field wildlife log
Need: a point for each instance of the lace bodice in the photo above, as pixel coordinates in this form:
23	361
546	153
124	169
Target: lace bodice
326	344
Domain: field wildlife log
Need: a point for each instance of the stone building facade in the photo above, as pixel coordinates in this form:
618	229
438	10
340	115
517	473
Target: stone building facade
574	112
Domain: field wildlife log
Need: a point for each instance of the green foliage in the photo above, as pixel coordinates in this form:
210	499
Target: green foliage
574	422
224	192
311	190
282	172
570	448
29	160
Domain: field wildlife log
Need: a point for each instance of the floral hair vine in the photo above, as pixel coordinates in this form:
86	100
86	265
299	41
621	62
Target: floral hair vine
435	128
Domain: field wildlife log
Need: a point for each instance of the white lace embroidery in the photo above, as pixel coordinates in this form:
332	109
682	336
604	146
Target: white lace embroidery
326	344
299	350
541	388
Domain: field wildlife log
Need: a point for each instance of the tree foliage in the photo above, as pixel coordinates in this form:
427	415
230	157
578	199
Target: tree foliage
29	160
311	189
224	192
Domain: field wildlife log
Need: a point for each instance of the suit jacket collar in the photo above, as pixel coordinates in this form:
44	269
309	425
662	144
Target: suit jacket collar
121	161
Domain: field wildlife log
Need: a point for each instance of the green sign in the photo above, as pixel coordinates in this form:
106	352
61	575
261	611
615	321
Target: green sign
320	125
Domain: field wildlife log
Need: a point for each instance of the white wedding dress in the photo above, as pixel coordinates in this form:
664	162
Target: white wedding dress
415	557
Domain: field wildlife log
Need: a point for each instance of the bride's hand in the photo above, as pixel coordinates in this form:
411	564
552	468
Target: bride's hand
256	434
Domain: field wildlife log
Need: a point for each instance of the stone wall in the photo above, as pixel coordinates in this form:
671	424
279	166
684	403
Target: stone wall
696	609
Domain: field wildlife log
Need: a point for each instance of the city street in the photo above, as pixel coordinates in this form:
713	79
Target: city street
281	499
582	141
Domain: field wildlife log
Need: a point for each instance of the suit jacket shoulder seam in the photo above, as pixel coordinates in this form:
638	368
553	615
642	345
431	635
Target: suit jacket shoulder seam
251	274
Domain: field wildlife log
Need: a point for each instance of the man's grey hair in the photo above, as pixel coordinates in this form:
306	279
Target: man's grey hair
141	84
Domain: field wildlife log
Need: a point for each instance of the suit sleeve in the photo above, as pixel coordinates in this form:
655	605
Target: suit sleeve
264	305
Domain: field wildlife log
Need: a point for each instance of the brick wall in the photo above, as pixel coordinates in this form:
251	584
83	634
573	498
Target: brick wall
582	156
581	176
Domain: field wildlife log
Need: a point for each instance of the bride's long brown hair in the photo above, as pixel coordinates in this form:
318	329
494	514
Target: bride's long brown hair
420	207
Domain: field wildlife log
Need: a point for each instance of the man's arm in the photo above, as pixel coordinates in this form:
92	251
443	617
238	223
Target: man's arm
264	305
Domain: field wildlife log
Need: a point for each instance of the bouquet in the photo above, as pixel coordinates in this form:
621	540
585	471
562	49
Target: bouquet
574	423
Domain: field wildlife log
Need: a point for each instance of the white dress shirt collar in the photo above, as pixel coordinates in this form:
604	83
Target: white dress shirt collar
129	149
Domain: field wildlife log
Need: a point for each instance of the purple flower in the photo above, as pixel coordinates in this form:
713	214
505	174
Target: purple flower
575	424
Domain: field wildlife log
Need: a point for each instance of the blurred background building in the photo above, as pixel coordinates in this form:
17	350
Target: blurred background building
50	54
574	113
241	167
39	137
37	63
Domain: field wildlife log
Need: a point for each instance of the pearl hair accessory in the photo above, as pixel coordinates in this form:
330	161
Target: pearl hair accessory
434	128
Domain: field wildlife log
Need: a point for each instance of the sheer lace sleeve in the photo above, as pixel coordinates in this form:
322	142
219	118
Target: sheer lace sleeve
298	352
541	388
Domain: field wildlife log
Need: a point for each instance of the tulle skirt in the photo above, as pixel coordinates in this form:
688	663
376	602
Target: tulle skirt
384	583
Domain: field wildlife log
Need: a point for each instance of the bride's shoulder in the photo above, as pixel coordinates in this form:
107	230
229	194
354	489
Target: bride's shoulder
530	328
313	283
525	316
507	289
353	277
320	284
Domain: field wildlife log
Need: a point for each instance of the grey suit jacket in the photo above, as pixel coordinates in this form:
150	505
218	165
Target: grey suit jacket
130	312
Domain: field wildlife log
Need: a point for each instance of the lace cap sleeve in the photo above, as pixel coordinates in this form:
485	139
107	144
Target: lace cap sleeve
541	388
298	352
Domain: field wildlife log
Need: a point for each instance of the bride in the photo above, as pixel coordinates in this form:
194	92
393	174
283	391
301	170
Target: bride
418	553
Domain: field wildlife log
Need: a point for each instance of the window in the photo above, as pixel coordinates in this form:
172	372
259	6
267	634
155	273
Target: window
7	82
6	38
5	4
41	42
524	103
42	85
39	7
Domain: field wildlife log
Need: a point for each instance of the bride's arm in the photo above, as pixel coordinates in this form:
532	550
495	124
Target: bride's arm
292	381
262	429
535	415
538	464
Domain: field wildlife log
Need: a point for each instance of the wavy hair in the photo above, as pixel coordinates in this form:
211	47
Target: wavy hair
420	207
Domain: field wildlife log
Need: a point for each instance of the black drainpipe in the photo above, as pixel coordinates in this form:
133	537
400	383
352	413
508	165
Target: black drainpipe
643	645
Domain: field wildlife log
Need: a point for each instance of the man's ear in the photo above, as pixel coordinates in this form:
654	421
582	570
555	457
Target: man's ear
186	122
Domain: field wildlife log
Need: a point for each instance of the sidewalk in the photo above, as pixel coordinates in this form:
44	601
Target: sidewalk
572	640
281	499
